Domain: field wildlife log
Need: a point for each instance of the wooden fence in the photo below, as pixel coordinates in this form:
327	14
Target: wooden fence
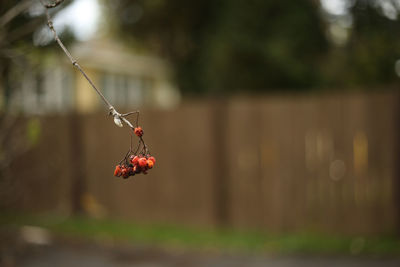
278	163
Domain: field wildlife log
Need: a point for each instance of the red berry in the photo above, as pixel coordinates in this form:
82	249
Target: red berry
153	159
135	160
117	171
142	162
138	131
150	163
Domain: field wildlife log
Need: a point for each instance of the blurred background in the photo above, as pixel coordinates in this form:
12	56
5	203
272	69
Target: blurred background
275	125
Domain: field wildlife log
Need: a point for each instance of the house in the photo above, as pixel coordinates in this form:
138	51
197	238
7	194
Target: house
127	79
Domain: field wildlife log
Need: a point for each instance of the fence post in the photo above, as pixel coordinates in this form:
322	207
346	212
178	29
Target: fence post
77	158
396	159
221	182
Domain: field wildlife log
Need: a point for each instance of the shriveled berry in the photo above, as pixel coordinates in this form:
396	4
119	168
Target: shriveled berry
130	171
125	172
136	169
138	131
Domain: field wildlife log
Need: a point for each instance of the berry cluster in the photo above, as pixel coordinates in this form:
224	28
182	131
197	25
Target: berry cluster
135	162
135	165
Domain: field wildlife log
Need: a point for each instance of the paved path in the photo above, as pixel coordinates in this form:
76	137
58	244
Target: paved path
88	255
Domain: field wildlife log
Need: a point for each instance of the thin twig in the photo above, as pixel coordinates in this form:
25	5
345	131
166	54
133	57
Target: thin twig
73	61
118	117
131	113
51	5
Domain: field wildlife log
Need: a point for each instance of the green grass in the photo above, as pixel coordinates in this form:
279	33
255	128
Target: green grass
224	239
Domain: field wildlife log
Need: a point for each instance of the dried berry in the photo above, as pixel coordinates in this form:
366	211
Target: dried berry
125	172
138	131
136	169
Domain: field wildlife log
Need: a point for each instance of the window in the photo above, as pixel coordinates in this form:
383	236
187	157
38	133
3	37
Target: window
124	91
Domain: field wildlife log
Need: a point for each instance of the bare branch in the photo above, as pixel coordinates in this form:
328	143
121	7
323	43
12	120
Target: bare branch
73	61
119	118
14	11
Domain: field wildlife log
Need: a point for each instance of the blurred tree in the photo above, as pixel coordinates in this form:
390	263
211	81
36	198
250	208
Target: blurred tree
221	45
374	44
19	20
13	28
368	56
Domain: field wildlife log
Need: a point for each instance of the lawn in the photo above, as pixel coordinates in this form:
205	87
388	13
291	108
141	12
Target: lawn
165	235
